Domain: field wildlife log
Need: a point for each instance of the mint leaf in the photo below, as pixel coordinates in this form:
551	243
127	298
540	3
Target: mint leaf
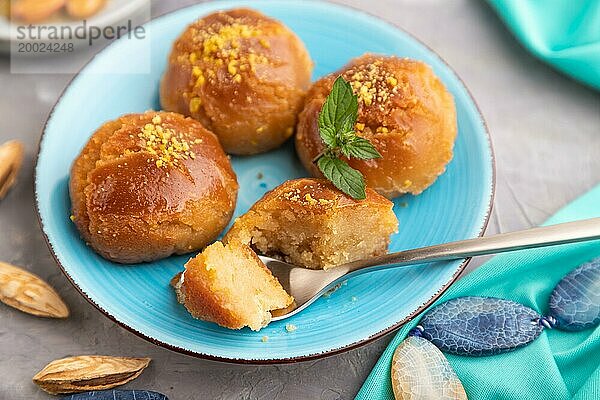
339	112
337	119
343	176
359	148
346	132
328	135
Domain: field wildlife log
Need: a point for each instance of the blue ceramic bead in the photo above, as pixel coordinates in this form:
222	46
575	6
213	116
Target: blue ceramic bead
117	395
480	326
575	301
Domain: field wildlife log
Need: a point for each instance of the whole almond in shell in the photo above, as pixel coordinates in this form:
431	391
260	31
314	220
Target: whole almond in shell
29	293
88	373
11	158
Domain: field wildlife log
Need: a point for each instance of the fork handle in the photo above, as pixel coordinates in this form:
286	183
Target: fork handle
570	232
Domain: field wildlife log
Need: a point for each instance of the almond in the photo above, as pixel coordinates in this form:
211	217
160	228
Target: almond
88	373
81	9
29	293
11	158
32	11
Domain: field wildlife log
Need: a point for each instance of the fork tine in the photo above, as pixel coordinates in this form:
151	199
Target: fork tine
305	285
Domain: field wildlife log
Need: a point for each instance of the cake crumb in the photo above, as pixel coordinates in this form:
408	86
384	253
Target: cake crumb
264	339
72	218
290	327
354	298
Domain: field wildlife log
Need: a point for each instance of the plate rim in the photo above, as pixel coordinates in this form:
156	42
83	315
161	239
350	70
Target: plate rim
287	360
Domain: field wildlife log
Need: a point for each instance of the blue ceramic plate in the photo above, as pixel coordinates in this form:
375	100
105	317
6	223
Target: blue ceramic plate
139	298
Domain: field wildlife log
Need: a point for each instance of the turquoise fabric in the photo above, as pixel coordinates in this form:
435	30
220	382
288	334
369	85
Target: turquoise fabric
564	33
558	364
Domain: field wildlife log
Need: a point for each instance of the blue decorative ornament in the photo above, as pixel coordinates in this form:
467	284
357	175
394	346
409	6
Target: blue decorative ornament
575	301
480	326
117	395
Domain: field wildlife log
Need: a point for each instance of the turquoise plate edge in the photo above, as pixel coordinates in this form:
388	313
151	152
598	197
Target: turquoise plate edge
317	335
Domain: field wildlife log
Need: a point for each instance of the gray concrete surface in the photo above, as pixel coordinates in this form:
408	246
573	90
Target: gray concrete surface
546	132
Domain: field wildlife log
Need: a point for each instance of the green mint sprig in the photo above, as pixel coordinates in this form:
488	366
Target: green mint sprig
336	127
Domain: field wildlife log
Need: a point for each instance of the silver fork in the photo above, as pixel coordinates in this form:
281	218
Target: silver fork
307	285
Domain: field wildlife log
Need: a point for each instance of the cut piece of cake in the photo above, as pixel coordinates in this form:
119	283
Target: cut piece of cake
310	223
229	285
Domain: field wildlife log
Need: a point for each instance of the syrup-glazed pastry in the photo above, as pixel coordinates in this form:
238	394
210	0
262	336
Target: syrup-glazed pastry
243	75
146	186
404	110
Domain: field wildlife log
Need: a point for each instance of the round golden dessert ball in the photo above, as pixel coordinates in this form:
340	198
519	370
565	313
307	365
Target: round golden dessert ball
243	75
404	110
150	185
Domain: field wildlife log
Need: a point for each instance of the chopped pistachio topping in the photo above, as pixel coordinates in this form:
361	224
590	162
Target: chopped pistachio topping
306	200
310	199
373	84
220	47
195	104
167	146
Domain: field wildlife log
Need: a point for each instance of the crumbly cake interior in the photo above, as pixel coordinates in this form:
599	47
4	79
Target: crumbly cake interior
229	285
308	222
314	243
